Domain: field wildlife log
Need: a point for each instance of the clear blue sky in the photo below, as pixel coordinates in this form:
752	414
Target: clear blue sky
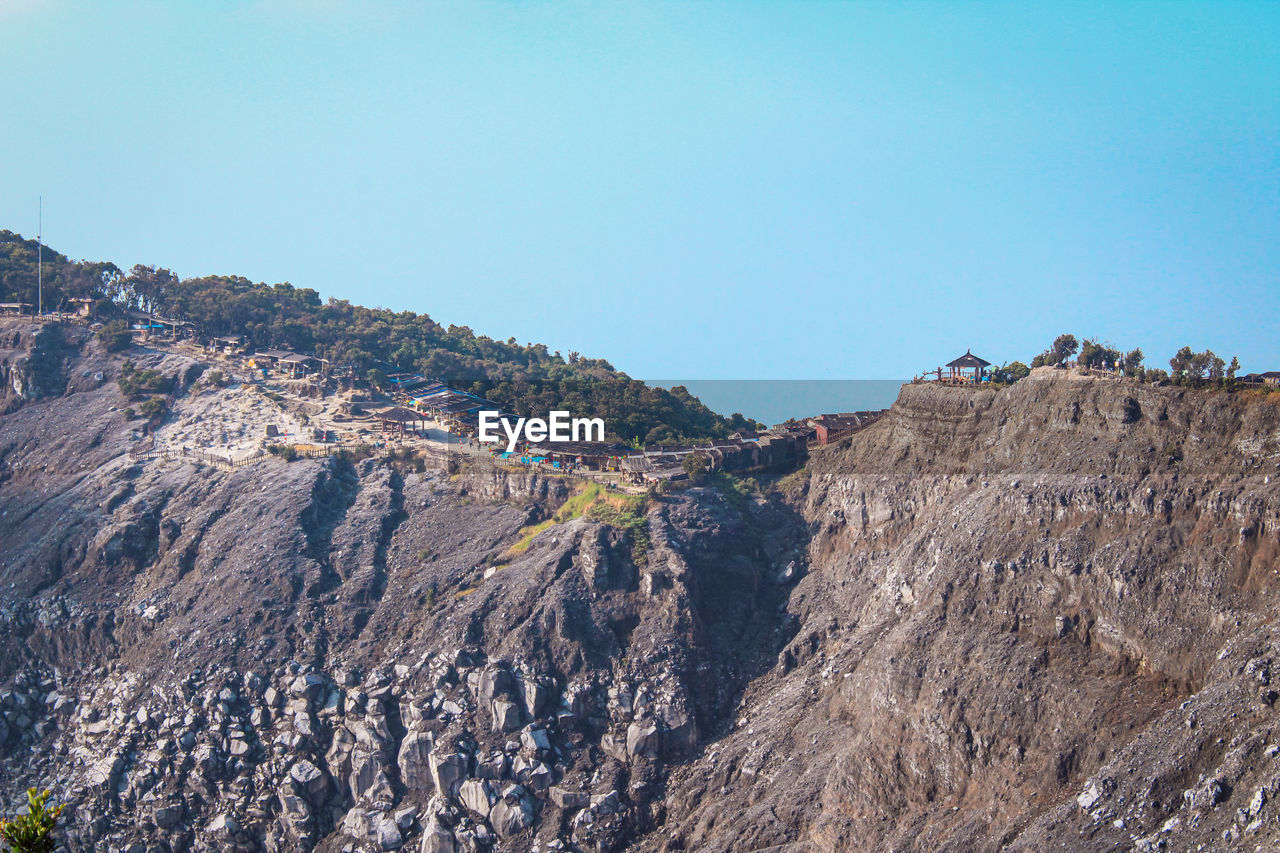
703	190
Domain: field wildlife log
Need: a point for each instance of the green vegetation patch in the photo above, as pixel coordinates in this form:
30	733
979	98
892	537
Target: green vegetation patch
136	384
739	491
623	512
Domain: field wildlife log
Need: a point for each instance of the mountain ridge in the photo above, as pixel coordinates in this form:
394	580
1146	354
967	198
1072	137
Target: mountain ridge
1038	617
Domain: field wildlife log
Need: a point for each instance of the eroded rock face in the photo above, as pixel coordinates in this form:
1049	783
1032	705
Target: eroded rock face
1030	619
320	655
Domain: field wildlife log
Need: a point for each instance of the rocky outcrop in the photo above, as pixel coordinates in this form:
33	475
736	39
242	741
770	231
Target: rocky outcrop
1034	619
34	358
1037	618
326	655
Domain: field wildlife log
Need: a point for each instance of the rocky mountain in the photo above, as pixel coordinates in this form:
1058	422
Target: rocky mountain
1035	618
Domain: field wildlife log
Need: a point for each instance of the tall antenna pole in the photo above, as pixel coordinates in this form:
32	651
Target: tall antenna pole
40	259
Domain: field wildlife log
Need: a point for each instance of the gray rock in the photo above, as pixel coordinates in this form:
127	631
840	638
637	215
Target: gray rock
568	800
535	695
448	771
167	815
360	823
538	776
535	739
388	833
223	824
614	746
406	816
368	779
493	767
609	803
510	818
309	778
643	739
293	808
437	839
506	715
477	796
494	681
413	760
303	725
307	686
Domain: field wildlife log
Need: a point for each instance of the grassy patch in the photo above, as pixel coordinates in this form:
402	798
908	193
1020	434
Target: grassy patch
136	384
624	512
738	491
793	482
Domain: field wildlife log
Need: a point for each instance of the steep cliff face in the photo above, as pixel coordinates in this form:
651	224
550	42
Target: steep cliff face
33	359
1039	618
325	654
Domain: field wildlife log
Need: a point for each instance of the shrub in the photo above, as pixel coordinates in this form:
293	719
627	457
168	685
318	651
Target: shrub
115	336
33	831
1010	373
135	383
151	408
287	452
696	465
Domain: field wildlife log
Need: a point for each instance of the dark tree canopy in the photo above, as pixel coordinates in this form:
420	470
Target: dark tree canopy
374	342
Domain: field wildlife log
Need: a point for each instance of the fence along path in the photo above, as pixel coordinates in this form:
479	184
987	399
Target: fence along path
224	462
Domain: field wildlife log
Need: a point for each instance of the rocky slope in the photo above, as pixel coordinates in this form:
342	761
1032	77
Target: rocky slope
328	654
1040	618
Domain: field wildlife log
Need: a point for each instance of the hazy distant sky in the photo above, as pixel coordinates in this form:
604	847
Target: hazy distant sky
694	189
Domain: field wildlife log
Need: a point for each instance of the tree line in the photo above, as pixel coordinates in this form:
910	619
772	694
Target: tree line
525	378
1187	367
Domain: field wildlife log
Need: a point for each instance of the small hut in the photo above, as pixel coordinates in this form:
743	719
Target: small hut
968	368
399	418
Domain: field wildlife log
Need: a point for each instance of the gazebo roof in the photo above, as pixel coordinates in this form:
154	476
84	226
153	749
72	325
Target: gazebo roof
399	414
969	360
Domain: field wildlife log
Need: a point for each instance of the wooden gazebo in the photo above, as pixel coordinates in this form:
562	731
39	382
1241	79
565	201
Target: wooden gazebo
968	368
399	418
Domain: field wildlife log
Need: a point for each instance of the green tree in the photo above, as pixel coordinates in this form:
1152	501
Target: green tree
1132	363
115	336
33	831
1217	368
147	288
526	379
1062	348
1180	364
1098	355
1195	368
695	465
1011	372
